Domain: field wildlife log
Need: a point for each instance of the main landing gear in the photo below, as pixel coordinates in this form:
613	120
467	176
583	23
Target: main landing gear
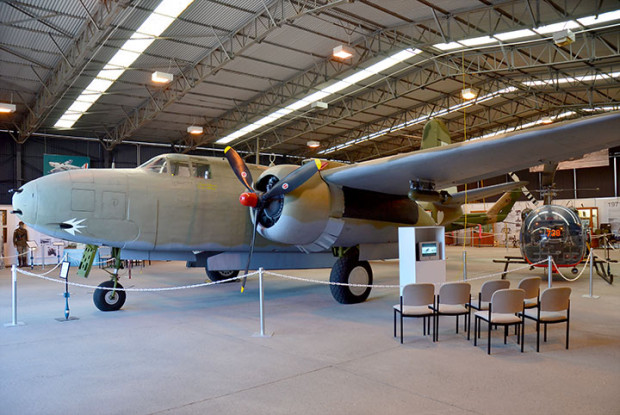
221	275
348	269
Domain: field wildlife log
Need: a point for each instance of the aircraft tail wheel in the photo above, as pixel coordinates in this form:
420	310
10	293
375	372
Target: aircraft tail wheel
109	299
575	271
221	275
349	270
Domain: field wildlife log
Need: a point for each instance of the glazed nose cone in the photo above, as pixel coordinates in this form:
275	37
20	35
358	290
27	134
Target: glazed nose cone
25	203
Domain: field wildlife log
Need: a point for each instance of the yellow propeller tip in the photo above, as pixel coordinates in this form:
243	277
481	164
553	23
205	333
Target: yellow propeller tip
242	289
226	149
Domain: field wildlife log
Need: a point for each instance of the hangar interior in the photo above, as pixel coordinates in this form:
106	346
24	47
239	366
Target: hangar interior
122	81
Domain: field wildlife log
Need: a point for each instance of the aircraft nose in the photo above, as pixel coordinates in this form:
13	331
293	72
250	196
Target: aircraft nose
25	203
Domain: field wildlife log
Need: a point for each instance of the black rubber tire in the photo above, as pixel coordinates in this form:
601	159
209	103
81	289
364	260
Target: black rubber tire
221	275
341	273
109	299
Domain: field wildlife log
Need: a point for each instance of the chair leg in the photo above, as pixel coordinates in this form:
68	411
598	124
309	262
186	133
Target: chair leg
545	324
401	327
468	318
394	322
475	330
505	333
457	324
522	329
567	334
489	340
537	336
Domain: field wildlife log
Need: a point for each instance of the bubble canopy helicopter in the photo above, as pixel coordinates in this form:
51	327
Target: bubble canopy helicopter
556	231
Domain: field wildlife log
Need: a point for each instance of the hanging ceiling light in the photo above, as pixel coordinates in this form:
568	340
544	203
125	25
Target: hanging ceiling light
7	108
313	144
342	52
194	129
162	77
469	93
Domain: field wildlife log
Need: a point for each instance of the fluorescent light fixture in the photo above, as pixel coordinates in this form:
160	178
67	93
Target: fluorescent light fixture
162	77
320	105
601	18
477	41
140	40
556	27
7	108
448	46
469	93
515	35
342	52
194	129
323	93
313	144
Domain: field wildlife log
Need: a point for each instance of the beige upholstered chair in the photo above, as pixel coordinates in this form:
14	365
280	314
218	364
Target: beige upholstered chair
503	309
554	308
414	302
486	291
531	286
452	300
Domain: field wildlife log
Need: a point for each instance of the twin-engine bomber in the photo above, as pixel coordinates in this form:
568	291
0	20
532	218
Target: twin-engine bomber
322	214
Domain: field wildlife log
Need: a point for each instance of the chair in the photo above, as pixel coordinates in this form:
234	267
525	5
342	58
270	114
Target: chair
503	310
452	300
414	302
531	286
486	291
554	308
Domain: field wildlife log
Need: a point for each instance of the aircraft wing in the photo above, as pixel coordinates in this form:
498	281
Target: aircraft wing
480	159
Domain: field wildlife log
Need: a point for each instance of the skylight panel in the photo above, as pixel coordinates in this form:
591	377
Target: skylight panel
517	34
556	27
601	18
153	26
477	41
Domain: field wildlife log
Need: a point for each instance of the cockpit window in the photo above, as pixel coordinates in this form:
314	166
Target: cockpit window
156	165
181	169
203	171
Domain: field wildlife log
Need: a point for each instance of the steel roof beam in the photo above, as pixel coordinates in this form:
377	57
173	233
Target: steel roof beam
75	59
233	44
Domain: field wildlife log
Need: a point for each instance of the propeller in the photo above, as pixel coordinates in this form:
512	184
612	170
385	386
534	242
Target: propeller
260	201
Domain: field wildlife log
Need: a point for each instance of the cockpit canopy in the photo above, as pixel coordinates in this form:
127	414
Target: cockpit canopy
180	165
556	231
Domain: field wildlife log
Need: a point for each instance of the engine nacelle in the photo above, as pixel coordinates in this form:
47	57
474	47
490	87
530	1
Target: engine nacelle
299	217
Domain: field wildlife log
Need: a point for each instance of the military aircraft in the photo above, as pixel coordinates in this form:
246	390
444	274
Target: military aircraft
65	165
322	214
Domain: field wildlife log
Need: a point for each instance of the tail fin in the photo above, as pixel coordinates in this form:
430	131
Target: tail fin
503	206
496	213
435	134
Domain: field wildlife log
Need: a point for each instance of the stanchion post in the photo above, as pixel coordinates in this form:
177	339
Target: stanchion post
591	275
261	297
14	322
464	265
550	273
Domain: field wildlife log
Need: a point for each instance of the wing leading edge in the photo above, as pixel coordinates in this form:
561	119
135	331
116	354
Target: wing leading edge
480	159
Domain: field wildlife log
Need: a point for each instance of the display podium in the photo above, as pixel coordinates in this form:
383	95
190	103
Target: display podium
422	255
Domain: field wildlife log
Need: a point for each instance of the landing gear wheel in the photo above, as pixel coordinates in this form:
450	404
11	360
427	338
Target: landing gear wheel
221	275
349	270
109	299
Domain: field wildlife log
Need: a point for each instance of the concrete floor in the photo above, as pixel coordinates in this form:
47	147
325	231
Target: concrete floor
192	351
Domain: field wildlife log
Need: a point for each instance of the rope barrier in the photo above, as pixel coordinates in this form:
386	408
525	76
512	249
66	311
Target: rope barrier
557	268
253	274
95	287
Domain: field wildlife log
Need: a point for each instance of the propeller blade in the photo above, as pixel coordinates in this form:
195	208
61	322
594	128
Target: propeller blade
239	167
294	179
247	265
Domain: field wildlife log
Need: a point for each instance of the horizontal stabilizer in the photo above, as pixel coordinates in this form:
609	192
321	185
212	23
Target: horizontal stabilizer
481	193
